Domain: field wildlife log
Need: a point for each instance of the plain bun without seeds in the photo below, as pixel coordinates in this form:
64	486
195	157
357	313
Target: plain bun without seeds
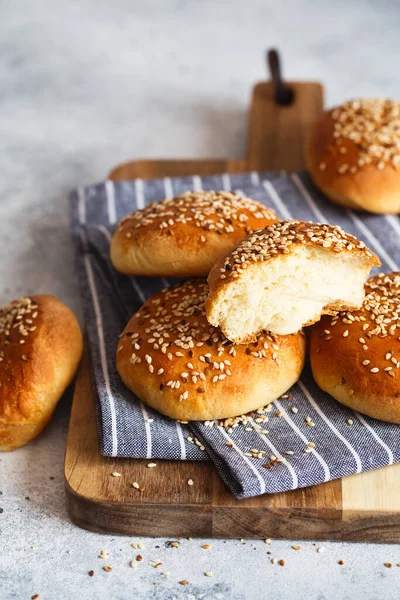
353	155
285	277
40	349
355	357
184	236
172	359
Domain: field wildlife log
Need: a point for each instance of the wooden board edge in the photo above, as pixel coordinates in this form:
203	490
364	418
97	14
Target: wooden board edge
159	168
158	520
166	520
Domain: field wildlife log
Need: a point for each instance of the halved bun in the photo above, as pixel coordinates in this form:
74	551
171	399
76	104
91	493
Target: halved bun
285	277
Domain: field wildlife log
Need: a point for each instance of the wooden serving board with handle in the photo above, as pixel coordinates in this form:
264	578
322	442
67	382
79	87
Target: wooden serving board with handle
363	507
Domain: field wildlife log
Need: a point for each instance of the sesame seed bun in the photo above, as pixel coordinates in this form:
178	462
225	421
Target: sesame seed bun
176	362
355	357
40	349
353	155
184	236
285	277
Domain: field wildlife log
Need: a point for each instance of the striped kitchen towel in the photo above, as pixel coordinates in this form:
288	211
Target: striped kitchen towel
128	428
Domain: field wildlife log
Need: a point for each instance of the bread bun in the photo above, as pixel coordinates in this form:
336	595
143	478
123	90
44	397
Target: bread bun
355	357
40	348
184	236
353	155
285	277
174	361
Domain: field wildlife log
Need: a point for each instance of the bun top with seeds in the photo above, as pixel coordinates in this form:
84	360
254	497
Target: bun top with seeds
40	348
353	154
185	235
285	277
179	364
355	356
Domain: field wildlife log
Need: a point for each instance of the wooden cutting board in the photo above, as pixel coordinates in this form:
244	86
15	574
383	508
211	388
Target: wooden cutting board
363	507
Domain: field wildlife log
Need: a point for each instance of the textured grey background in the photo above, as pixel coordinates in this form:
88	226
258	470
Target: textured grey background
86	84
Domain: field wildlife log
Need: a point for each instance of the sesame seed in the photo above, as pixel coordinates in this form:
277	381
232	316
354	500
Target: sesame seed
115	474
151	465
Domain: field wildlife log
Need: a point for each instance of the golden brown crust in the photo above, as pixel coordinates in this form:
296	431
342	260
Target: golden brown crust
173	360
184	236
40	349
353	155
355	357
282	238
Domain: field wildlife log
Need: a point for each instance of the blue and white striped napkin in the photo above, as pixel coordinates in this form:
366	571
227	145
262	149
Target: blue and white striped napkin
127	428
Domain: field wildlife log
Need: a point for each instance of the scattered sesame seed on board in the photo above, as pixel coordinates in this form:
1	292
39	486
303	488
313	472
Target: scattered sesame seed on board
107	568
151	465
274	561
209	574
206	546
295	547
190	482
103	554
184	582
320	549
133	564
115	474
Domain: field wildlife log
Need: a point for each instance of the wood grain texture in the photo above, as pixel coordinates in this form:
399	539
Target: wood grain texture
363	508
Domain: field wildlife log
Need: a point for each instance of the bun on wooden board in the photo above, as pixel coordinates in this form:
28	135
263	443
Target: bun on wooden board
40	349
285	277
353	155
185	235
355	357
176	362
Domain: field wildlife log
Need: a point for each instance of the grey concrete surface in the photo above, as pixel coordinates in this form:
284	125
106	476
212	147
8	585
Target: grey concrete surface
85	84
